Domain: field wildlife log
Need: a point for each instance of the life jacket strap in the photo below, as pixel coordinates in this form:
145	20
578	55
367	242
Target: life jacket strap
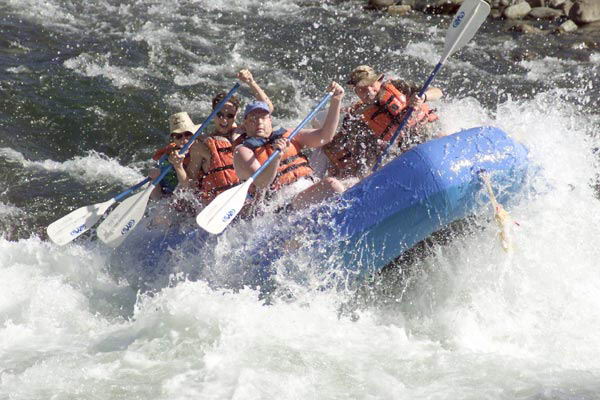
255	142
219	169
223	188
291	168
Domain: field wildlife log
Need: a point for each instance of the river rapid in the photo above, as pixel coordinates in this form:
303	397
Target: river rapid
86	90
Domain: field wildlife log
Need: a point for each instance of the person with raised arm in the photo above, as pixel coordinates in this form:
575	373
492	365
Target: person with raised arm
290	165
370	123
211	159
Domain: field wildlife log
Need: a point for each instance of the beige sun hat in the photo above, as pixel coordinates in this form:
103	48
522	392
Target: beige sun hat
363	75
181	122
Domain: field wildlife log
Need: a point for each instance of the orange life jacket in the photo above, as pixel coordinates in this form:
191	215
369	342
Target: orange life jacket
221	174
292	166
386	114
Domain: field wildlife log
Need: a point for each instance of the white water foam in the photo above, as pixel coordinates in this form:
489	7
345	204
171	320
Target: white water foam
99	65
427	52
92	167
21	69
548	67
48	13
515	304
204	72
9	210
431	54
273	7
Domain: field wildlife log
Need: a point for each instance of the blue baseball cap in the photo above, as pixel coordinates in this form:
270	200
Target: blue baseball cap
256	105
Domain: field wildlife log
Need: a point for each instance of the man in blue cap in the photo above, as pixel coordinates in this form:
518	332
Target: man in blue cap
290	165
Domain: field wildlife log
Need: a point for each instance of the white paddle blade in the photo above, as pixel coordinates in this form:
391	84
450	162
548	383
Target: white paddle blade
222	210
115	228
72	225
466	22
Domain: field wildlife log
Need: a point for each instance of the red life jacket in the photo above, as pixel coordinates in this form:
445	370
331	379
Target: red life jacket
292	166
386	114
169	181
166	150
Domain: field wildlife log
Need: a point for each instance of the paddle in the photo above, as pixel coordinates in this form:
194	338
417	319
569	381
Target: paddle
72	225
115	228
215	217
466	22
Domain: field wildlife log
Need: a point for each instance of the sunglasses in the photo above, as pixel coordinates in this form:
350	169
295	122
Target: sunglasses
178	136
229	116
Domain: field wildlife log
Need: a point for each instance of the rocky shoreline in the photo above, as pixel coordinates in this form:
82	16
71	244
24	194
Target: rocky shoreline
534	17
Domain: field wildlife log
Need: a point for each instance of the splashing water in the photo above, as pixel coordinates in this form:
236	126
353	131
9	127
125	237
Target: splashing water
464	320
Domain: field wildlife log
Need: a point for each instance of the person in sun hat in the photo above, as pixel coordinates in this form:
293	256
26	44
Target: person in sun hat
370	123
212	157
181	128
290	166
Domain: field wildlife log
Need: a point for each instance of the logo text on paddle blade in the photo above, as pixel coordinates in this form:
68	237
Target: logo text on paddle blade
228	215
127	227
458	19
77	230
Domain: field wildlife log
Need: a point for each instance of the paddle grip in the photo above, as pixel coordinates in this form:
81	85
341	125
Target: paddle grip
139	184
131	189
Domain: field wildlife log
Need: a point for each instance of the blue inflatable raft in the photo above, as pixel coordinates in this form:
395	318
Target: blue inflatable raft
422	191
381	217
426	189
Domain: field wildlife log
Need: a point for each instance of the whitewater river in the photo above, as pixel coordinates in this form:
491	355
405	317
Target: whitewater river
85	91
